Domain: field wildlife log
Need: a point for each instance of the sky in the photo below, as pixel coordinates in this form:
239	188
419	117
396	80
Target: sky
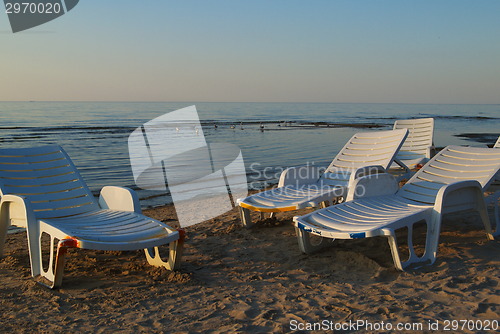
399	51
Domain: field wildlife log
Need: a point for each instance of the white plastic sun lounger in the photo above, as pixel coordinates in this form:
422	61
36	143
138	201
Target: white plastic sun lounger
454	180
301	187
418	146
494	198
42	190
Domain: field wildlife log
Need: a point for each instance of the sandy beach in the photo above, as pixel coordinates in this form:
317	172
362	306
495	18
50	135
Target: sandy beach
238	280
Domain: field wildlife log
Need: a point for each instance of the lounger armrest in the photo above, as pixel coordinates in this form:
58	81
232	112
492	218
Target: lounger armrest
16	210
298	176
373	185
119	198
364	171
459	196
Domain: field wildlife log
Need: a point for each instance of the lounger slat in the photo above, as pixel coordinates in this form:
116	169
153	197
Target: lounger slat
465	168
460	161
37	190
29	151
41	181
64	203
376	134
446	173
368	152
426	184
31	159
416	121
366	149
363	158
416	188
356	143
77	192
8	168
336	176
473	155
29	174
66	212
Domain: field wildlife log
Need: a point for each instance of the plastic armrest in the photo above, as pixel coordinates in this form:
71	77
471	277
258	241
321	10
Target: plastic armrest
364	171
373	185
298	176
120	199
458	196
16	210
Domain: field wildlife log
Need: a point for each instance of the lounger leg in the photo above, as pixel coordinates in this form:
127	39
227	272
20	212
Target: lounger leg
62	250
391	238
305	244
4	226
245	217
483	212
176	249
496	214
431	242
35	249
54	273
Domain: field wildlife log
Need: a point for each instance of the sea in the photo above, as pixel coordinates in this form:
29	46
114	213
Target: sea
270	136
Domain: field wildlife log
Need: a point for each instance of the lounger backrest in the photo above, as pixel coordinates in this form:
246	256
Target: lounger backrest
452	164
368	149
497	144
420	137
375	148
48	179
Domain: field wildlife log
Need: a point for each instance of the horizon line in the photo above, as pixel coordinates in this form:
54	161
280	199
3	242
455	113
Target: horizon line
200	101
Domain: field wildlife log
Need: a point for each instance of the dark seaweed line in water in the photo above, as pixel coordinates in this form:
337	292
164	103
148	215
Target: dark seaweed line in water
293	125
38	131
488	138
472	118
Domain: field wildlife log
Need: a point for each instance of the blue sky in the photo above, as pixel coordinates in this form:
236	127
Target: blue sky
400	51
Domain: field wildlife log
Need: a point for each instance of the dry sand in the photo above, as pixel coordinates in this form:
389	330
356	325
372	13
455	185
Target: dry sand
238	280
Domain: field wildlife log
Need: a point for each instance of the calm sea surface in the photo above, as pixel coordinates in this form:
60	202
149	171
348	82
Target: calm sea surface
95	134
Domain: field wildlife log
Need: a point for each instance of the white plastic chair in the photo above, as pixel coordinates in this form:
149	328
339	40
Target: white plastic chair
454	180
418	146
301	187
42	190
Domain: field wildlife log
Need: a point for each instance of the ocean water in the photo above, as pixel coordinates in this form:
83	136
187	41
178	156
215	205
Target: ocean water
95	134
